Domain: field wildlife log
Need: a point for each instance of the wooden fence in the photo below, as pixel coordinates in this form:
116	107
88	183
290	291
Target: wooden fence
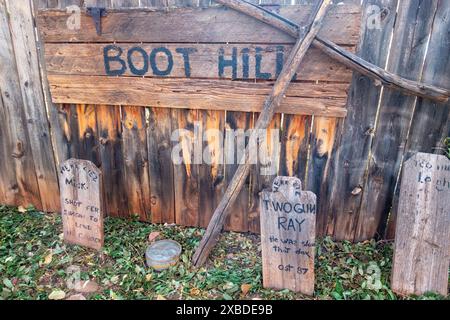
352	163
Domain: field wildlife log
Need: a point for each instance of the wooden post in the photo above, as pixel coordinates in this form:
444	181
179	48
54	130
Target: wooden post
81	203
349	59
288	229
422	238
271	104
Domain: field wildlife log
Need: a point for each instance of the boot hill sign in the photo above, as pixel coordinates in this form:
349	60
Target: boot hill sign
197	58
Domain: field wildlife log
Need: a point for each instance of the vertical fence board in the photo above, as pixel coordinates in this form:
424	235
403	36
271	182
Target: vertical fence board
294	146
25	50
15	121
186	173
8	182
412	29
135	157
322	142
431	121
110	151
236	137
211	171
160	165
347	170
259	178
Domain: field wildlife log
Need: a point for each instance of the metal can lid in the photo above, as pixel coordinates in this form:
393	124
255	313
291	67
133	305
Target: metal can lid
163	250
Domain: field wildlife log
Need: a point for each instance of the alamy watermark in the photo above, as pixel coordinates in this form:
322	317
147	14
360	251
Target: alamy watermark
213	146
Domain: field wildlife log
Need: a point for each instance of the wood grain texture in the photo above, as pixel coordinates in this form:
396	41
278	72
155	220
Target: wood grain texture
186	169
23	38
271	104
199	25
413	27
81	203
197	94
323	139
237	128
350	153
203	59
288	218
109	128
135	155
422	241
265	166
431	121
294	145
160	165
211	171
379	75
25	186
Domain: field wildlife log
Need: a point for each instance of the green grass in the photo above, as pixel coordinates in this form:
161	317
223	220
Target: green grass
34	261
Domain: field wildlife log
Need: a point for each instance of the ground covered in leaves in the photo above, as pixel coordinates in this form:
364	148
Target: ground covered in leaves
36	264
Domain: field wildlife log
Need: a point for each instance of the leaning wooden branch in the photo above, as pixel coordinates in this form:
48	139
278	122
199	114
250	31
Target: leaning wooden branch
347	58
305	38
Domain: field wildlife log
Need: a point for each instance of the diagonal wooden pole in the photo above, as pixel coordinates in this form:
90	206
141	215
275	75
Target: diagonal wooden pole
349	59
305	38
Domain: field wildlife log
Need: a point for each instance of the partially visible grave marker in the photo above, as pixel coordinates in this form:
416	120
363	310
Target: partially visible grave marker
422	237
288	227
81	203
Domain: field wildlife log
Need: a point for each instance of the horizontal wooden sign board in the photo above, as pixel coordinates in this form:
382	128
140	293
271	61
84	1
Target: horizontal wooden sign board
216	61
195	94
213	58
196	25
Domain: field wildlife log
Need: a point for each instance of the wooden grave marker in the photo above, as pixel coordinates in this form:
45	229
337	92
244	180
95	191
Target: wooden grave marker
288	227
422	238
81	203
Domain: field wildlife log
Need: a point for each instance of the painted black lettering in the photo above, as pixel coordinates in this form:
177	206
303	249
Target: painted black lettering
133	69
116	58
155	69
223	63
185	52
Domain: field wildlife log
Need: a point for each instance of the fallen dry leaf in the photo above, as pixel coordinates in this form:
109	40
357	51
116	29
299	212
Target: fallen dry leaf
21	209
148	277
88	286
194	291
245	288
48	258
160	297
57	295
153	235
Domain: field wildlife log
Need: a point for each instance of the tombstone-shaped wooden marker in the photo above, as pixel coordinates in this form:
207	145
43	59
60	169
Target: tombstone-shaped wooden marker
422	237
288	228
81	203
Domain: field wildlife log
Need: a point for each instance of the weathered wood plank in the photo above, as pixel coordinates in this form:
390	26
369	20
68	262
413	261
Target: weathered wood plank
350	153
288	228
197	94
86	142
145	25
186	169
160	165
189	60
109	130
17	135
422	239
431	121
323	137
23	38
379	75
135	157
294	145
211	171
8	181
236	138
413	27
265	167
81	203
